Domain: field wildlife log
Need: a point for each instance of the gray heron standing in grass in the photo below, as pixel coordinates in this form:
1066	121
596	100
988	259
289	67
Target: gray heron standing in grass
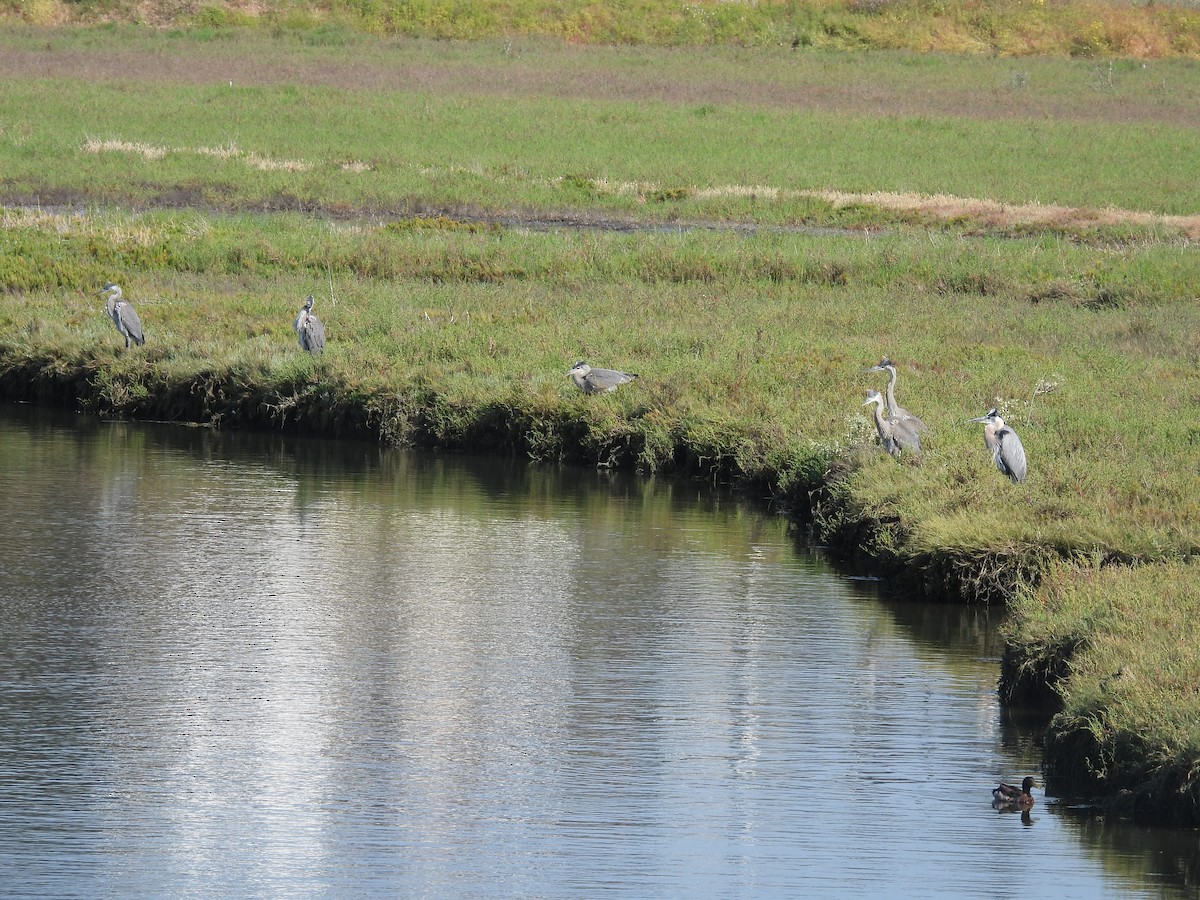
595	381
895	434
1007	451
123	315
309	328
895	410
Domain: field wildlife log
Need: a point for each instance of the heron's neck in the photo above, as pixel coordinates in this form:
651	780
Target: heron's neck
880	425
989	438
891	388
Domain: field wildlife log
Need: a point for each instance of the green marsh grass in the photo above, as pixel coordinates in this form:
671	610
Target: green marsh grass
459	153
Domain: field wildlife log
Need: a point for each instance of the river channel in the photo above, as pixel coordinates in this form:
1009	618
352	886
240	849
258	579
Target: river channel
256	666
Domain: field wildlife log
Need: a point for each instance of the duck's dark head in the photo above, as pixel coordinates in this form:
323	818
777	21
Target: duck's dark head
1026	785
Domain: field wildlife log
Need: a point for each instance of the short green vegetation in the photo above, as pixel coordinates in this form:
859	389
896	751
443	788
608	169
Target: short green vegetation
474	217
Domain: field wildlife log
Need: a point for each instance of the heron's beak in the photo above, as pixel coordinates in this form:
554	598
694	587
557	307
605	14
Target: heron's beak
979	419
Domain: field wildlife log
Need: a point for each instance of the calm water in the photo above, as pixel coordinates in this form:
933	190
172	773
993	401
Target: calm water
248	666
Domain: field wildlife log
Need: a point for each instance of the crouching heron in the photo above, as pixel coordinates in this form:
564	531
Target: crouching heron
895	434
895	410
1007	450
309	328
596	381
123	315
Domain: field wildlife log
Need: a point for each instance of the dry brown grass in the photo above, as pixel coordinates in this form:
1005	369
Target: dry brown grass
138	148
991	214
267	164
944	207
225	152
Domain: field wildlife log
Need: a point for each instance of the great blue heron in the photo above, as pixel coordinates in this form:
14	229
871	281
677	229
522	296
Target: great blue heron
123	315
1007	451
895	410
309	328
894	433
1009	796
595	381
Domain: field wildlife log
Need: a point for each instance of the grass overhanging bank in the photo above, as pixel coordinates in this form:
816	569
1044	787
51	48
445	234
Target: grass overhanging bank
450	332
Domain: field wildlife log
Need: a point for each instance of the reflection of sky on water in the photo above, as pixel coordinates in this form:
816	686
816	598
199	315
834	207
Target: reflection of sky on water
236	666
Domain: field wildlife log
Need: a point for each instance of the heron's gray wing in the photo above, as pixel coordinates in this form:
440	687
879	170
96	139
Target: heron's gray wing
131	322
1012	454
912	421
905	434
314	334
608	379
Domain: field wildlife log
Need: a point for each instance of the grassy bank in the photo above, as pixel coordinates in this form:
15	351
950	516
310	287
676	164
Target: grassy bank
1069	302
751	353
1120	646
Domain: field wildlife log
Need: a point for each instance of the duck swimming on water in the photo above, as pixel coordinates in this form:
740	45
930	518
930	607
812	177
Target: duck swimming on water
1009	796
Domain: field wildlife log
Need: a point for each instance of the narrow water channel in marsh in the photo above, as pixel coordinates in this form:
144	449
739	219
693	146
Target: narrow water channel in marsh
249	665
